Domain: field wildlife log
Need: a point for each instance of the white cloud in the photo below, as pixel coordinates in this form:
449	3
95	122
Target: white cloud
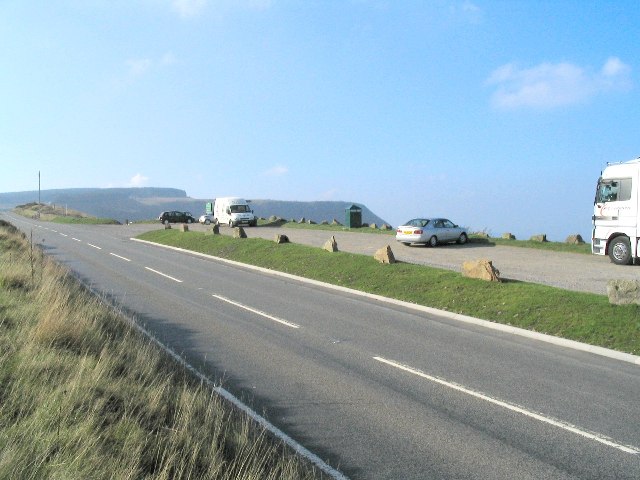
277	171
188	8
138	180
553	85
138	67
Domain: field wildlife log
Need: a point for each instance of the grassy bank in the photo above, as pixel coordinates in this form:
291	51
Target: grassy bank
85	395
59	214
584	317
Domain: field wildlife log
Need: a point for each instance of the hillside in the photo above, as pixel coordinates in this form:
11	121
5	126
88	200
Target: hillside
136	204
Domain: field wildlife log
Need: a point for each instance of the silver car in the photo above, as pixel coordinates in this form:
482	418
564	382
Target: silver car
431	231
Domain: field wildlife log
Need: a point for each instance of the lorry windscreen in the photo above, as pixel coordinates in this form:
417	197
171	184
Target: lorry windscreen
613	190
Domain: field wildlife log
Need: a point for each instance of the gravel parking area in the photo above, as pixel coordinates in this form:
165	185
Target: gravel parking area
587	273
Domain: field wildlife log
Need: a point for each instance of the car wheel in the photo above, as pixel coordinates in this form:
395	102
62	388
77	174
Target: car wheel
207	221
462	239
433	241
620	251
189	220
166	222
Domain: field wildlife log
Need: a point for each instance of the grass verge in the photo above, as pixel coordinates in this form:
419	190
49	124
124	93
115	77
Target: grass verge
584	317
57	214
84	395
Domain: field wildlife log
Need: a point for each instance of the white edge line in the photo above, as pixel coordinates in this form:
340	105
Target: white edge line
515	408
543	337
164	275
118	256
258	312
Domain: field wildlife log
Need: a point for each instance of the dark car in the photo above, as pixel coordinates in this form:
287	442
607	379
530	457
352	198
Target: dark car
176	217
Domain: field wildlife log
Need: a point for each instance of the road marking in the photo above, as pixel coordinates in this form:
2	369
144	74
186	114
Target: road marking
94	246
125	259
76	239
258	312
163	274
515	408
64	234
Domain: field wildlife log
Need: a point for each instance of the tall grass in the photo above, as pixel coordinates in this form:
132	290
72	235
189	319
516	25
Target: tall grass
84	395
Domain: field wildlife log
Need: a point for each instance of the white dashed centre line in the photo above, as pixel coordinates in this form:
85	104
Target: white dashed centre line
164	275
257	312
515	408
94	246
122	258
64	234
76	239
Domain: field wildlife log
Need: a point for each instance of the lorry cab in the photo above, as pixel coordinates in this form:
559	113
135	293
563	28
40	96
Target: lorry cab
234	211
616	213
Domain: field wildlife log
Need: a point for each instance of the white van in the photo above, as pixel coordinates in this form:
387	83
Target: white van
234	211
616	213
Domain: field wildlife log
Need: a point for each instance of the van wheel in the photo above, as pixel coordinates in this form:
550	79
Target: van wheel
620	251
230	224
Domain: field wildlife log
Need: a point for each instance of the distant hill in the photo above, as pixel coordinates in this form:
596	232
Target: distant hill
146	203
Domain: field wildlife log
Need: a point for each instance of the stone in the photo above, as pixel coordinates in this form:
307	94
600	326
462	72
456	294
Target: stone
184	227
539	238
311	222
385	226
238	232
574	239
482	235
302	220
281	239
623	292
214	230
335	222
373	225
385	255
273	218
508	236
324	222
331	245
482	269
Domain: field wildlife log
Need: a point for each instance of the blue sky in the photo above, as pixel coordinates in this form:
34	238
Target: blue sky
497	114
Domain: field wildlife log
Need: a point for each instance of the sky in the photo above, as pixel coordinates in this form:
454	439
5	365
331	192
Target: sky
499	115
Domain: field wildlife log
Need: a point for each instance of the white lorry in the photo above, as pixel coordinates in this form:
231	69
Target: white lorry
616	213
233	211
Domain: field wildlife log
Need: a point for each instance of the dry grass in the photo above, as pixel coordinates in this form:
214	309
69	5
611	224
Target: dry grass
84	395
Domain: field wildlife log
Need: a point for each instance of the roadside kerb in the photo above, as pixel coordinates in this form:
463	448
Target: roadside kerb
543	337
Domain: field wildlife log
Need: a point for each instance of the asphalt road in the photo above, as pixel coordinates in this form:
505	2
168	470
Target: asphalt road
378	390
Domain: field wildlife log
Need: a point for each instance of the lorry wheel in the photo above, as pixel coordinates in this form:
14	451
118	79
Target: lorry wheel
620	251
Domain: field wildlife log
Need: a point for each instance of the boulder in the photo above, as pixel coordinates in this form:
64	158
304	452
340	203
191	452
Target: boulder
273	218
335	222
481	234
324	222
311	222
214	230
385	255
184	227
281	239
238	232
574	239
385	226
167	226
508	236
331	245
302	220
623	292
539	238
482	269
373	225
